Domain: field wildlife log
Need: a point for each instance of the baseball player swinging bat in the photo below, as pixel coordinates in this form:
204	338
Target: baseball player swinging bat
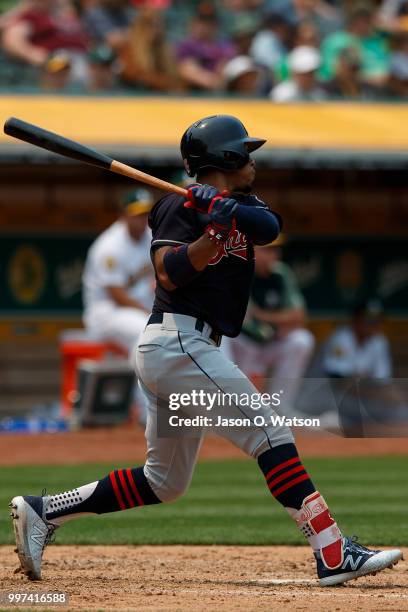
44	139
204	275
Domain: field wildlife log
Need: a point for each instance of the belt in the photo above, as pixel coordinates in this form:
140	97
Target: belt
157	317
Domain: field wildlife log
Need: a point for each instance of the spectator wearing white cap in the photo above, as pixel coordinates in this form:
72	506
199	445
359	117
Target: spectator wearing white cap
303	63
242	76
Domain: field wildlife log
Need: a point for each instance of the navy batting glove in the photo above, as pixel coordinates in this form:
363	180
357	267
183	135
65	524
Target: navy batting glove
221	210
200	197
222	221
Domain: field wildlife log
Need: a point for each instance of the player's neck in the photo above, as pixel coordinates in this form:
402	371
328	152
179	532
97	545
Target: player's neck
220	180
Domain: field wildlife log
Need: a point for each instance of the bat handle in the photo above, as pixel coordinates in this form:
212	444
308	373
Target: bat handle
138	175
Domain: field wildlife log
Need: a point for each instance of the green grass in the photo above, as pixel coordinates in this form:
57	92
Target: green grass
228	503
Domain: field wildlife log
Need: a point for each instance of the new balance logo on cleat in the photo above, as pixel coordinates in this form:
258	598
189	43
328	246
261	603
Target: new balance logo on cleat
352	563
38	534
358	561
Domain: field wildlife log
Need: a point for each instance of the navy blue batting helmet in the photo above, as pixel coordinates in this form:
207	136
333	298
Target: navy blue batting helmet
219	141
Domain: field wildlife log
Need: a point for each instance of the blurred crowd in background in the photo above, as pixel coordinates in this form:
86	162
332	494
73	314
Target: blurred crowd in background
283	50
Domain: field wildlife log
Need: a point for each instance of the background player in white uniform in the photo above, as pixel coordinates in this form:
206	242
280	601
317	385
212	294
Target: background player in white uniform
203	252
274	342
118	280
359	349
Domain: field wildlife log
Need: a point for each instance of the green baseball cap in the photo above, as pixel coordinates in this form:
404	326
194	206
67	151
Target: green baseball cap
137	201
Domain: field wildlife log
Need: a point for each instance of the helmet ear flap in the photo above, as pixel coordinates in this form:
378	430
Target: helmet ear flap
187	168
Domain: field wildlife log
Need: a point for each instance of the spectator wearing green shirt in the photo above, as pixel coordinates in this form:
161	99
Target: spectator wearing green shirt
274	341
362	38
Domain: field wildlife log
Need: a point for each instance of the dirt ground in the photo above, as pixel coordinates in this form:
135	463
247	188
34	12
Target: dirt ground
190	578
200	578
127	445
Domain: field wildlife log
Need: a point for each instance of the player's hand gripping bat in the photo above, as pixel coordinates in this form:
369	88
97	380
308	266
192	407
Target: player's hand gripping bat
69	148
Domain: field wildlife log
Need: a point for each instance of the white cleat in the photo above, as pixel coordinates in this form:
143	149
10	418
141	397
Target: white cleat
32	532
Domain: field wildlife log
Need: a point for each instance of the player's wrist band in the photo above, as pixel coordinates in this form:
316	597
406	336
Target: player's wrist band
178	266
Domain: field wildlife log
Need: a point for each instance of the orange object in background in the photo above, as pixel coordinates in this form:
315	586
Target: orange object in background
75	346
258	380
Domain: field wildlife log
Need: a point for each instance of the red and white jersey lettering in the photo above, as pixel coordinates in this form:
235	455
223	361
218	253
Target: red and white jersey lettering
236	245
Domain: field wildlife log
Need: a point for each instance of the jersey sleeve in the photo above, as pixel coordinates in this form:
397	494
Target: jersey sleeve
172	224
255	219
109	268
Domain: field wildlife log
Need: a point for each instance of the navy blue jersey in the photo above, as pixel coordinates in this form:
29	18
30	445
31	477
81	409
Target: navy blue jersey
219	295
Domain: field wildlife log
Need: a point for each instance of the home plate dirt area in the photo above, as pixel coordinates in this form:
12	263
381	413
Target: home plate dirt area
193	578
200	578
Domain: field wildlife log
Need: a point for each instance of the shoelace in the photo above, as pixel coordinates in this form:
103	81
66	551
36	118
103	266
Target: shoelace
353	541
50	537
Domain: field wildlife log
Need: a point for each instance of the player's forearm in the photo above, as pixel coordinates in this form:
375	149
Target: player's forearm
201	252
176	267
260	225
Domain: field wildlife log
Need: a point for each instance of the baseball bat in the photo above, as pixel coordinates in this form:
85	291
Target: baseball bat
44	139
